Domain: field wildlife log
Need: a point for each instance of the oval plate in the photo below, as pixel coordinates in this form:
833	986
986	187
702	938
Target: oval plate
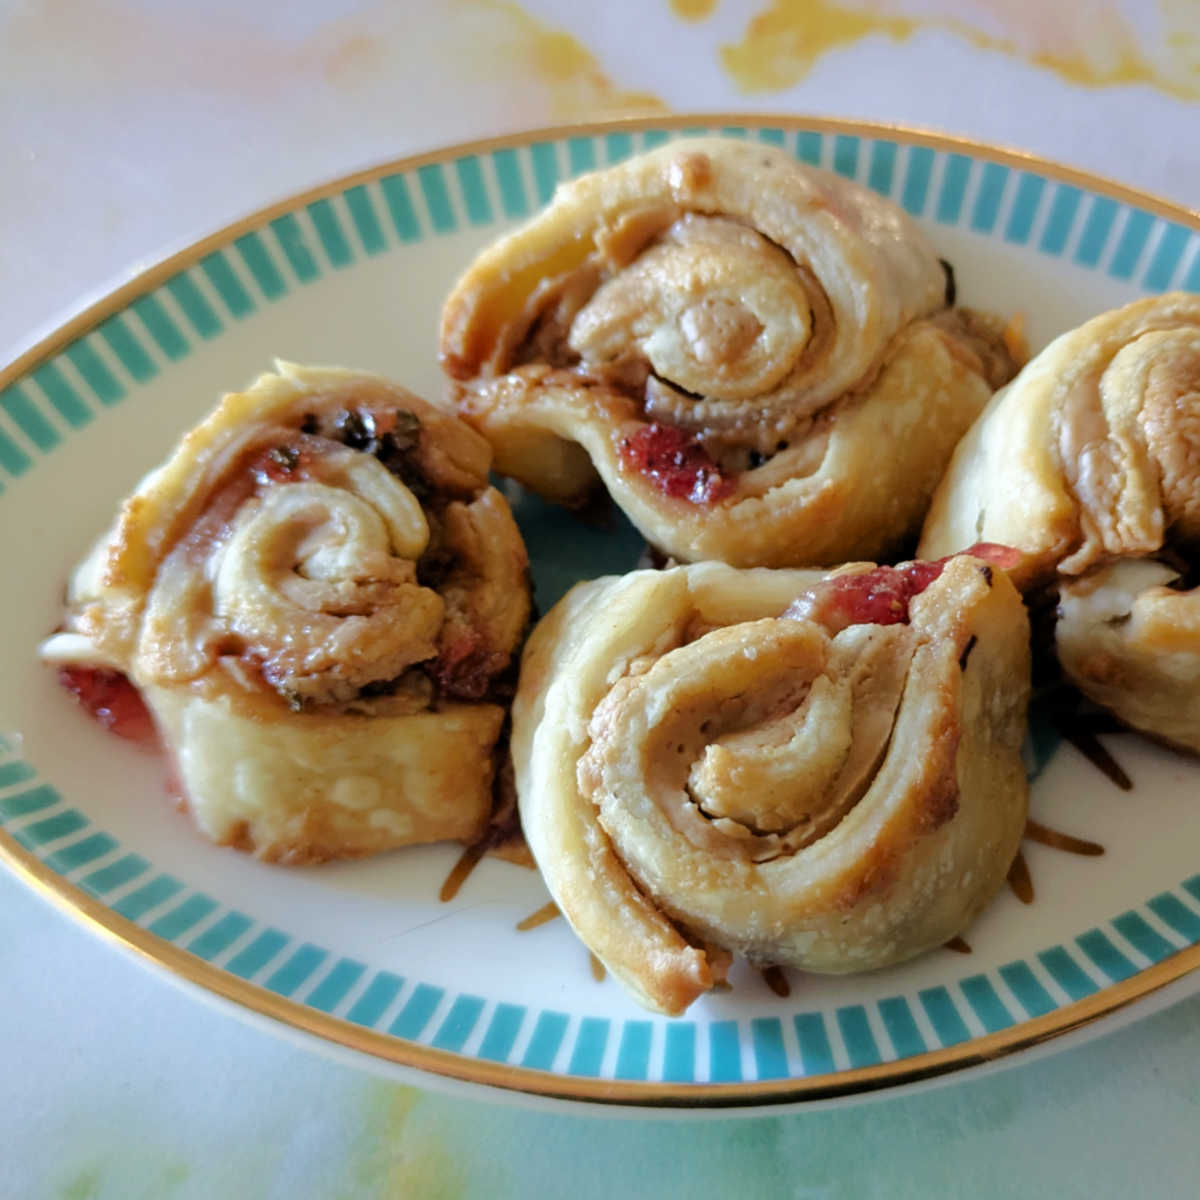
364	955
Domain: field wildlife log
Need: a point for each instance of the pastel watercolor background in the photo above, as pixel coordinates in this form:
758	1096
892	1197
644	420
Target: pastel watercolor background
131	126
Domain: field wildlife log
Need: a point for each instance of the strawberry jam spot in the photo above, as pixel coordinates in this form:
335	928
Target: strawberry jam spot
111	699
882	595
878	597
676	463
1003	556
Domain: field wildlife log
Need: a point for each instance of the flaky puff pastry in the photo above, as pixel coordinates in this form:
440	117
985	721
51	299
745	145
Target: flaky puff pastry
712	760
1089	462
316	595
755	357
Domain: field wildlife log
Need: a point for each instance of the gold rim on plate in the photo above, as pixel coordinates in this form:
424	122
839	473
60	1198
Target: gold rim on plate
387	1049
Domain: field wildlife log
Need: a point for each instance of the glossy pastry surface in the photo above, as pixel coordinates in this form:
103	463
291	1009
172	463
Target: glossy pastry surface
817	771
1089	462
756	358
318	596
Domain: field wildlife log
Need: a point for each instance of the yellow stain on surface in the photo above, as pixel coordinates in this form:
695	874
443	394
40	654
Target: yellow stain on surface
575	82
1089	46
492	53
399	1153
693	10
83	1185
115	1175
784	42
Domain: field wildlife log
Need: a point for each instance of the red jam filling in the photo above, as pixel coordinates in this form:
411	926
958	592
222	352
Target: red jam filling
111	699
676	463
882	595
878	597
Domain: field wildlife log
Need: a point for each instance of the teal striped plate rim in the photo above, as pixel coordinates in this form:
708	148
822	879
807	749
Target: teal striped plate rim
1051	242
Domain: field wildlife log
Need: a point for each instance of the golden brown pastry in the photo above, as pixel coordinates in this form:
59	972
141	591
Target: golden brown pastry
1089	462
755	357
820	771
318	596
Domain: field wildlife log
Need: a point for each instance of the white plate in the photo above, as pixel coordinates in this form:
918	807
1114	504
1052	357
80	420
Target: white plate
364	955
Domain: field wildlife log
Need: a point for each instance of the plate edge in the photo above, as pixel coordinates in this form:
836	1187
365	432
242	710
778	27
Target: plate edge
91	314
99	918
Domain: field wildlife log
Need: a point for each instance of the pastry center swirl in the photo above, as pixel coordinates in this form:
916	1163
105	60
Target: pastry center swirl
319	579
755	740
715	308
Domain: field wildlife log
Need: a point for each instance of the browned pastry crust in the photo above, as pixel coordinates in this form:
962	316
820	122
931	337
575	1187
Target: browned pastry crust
753	356
316	595
1089	462
699	774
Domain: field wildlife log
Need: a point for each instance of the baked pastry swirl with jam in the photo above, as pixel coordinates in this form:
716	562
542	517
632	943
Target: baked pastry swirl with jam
1089	462
819	771
320	600
759	360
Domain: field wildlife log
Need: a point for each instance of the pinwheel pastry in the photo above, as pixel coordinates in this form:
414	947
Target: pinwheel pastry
319	598
820	771
758	359
1089	462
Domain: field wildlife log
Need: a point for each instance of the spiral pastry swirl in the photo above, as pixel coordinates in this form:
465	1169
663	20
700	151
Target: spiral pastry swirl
756	358
815	771
1089	462
319	598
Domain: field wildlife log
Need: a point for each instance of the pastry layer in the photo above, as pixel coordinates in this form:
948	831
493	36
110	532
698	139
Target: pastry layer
320	599
712	761
755	358
1089	463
